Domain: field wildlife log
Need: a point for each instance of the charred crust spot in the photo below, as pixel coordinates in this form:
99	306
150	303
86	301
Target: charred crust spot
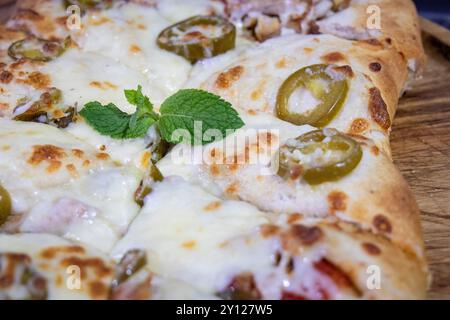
378	109
225	79
290	266
382	224
375	67
389	41
269	230
98	290
46	153
213	206
333	57
6	77
371	249
337	201
345	70
359	126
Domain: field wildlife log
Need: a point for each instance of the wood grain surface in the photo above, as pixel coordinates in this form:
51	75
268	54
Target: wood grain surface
421	149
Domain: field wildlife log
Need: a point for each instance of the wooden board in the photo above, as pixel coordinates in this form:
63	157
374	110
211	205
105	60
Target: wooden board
421	149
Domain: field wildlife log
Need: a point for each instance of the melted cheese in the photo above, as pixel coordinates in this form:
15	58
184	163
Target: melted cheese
48	254
61	185
184	239
127	34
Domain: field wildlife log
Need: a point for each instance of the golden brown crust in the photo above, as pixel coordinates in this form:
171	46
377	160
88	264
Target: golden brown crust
400	28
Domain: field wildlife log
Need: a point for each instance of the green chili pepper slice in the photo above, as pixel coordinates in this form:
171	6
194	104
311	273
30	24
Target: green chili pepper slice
319	156
129	265
5	205
145	188
199	37
90	4
329	87
41	109
36	49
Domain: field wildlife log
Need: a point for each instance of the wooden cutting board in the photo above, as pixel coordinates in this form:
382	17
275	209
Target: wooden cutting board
421	148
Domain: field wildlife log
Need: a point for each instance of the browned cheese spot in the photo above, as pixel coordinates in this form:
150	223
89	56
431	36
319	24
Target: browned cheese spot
359	126
225	79
47	153
37	80
213	206
102	156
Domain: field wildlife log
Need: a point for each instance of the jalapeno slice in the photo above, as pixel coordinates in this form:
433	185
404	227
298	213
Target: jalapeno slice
40	111
199	37
90	4
326	85
129	265
36	49
145	188
319	156
5	205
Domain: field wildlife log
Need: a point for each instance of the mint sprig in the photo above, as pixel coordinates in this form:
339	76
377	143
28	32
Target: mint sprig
186	110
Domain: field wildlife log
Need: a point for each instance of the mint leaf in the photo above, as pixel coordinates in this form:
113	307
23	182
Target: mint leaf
183	111
137	98
111	121
143	106
188	106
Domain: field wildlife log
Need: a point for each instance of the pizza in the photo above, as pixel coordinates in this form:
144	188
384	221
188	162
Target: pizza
207	149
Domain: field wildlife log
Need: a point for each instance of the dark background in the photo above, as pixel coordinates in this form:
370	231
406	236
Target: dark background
436	10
